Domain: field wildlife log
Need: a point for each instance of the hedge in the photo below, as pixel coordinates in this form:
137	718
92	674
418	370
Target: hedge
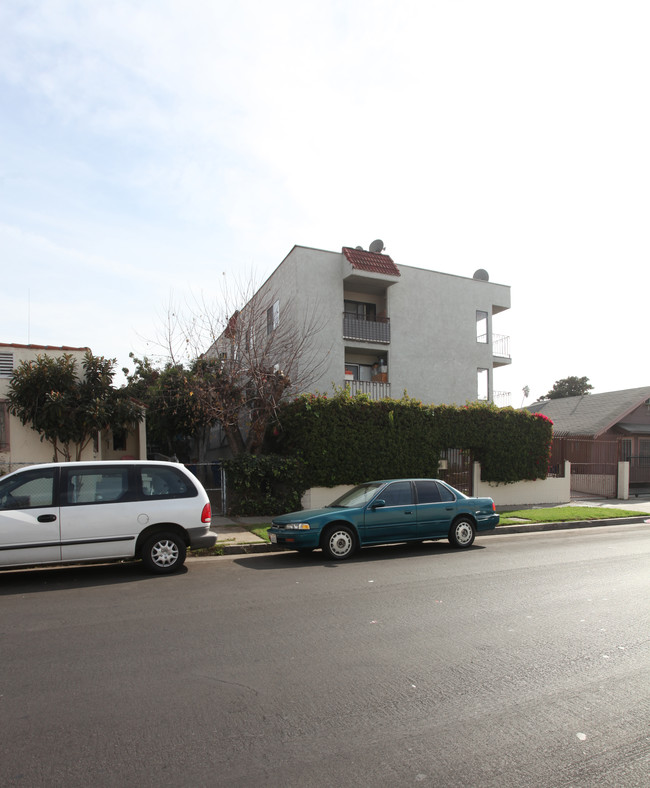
348	439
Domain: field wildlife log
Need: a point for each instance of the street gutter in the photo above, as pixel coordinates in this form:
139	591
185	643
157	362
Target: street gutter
521	528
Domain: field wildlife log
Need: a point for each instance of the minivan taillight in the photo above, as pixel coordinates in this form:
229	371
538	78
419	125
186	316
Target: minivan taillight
206	514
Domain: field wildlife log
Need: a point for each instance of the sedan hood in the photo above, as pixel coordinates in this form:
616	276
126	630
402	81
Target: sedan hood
307	514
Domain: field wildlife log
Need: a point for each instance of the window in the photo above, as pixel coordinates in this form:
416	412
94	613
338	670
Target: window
428	491
360	310
163	482
398	494
6	364
483	384
119	440
93	485
272	317
4	426
30	490
481	326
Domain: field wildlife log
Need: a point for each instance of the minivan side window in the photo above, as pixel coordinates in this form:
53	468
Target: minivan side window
159	481
29	490
97	485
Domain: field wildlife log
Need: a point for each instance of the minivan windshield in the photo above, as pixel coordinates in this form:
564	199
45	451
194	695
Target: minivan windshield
357	496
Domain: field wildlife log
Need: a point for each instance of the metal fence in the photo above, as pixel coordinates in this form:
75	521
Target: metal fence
458	470
213	477
594	464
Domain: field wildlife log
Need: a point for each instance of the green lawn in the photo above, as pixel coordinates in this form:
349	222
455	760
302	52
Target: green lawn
563	514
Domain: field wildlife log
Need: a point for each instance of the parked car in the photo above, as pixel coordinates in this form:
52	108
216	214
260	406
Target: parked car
100	511
382	512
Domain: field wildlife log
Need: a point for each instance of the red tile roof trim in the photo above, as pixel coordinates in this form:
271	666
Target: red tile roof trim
370	261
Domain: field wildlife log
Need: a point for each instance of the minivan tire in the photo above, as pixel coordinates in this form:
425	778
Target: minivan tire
164	553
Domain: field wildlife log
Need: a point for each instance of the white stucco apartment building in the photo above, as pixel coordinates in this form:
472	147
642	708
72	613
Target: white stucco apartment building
387	328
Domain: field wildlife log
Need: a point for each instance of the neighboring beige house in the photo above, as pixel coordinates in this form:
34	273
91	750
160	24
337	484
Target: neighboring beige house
21	445
389	328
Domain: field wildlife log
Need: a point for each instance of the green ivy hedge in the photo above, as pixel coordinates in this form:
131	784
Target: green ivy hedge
264	485
347	439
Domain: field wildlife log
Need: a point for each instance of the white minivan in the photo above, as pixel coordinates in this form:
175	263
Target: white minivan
102	511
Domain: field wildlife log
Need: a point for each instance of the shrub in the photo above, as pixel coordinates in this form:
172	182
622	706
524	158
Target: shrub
348	439
262	485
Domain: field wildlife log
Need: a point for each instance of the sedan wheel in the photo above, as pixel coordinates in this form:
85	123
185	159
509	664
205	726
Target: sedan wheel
339	542
462	532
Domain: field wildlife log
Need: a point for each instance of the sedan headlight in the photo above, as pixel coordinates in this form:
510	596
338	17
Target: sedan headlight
297	526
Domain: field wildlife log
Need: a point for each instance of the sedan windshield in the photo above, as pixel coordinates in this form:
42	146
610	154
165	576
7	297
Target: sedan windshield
358	496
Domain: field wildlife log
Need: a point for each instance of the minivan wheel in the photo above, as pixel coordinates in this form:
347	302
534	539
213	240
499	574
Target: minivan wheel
339	542
163	553
462	533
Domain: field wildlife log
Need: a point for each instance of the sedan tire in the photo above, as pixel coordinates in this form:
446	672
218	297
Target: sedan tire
462	532
339	542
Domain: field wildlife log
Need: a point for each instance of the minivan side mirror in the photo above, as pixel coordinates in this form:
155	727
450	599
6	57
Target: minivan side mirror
378	504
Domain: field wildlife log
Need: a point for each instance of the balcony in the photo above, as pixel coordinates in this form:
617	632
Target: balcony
501	350
366	330
375	391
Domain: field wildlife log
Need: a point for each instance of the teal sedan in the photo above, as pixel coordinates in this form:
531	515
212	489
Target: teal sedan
384	512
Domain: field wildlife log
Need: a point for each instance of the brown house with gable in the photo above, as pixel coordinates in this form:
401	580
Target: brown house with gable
597	431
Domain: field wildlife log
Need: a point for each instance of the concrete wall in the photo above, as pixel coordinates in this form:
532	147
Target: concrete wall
539	492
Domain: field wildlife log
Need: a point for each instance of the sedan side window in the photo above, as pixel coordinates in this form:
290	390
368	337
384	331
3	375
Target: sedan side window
29	490
428	491
445	493
398	494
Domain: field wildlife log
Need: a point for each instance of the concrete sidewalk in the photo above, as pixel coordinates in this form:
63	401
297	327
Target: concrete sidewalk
235	538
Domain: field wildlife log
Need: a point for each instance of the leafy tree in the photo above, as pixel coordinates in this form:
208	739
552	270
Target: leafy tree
69	408
176	405
569	387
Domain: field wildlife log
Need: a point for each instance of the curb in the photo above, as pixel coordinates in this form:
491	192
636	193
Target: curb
265	547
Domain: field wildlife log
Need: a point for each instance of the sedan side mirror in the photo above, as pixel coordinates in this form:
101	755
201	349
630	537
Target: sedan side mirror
378	504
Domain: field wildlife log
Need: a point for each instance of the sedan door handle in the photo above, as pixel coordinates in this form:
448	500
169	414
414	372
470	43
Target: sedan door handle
46	518
408	512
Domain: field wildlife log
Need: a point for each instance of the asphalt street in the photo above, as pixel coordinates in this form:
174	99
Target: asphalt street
523	661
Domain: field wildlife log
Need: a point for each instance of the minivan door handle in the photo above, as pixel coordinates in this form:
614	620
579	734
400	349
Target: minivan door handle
46	518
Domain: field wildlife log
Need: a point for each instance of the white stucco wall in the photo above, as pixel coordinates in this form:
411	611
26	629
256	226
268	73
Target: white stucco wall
433	353
541	491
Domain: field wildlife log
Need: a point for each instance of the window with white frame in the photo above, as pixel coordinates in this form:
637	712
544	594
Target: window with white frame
481	326
483	383
272	317
6	364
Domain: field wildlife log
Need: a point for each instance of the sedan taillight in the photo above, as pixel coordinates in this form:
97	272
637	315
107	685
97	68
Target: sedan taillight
206	514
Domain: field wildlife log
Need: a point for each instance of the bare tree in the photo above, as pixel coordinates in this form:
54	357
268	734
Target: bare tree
245	355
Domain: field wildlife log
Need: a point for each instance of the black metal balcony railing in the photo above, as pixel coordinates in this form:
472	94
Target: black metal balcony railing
366	330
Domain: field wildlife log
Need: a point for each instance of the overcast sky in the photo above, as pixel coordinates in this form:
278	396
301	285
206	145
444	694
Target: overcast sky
150	147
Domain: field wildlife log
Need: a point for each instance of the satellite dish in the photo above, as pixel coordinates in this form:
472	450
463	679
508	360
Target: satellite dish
377	247
482	275
359	248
